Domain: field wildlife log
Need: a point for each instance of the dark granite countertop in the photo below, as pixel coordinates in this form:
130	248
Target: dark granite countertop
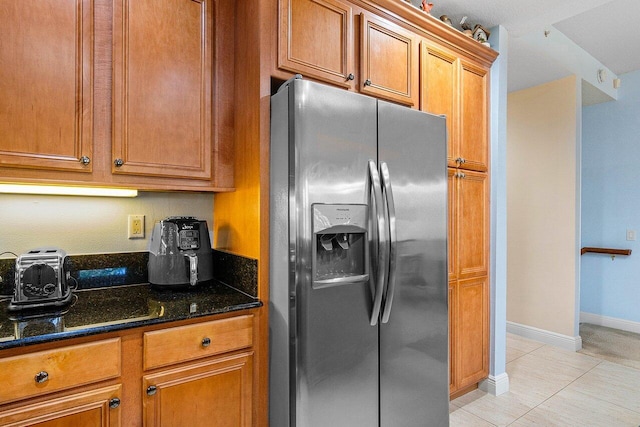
101	310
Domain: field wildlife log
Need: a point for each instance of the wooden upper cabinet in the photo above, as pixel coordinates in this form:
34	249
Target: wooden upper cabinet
457	89
439	91
162	97
316	39
389	61
46	86
474	141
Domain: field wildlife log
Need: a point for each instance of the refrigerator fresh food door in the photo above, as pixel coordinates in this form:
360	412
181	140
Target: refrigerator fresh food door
414	348
331	137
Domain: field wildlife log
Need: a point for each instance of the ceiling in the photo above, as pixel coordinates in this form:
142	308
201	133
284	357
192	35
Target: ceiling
605	29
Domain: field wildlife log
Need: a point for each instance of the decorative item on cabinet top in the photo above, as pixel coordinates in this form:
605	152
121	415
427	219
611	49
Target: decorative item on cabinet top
426	6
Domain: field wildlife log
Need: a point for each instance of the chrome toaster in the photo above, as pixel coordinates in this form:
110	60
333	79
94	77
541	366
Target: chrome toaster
41	280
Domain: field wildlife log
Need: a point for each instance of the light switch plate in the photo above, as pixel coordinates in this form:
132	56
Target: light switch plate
631	234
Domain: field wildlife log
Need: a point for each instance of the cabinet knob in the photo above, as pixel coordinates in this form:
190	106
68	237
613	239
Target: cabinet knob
118	162
459	160
85	160
114	403
367	82
351	76
151	390
42	377
206	342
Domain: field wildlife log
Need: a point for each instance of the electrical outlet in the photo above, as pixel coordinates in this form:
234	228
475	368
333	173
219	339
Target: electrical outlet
135	228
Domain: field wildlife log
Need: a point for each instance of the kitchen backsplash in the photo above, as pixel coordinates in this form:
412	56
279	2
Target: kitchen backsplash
91	225
104	270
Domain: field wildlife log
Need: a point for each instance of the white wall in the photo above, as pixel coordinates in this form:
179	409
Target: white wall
90	225
543	205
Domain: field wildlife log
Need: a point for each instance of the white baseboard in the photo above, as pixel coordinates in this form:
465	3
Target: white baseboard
547	337
495	385
610	322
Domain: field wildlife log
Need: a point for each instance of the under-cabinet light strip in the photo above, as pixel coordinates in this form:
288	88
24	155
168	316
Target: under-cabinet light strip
66	191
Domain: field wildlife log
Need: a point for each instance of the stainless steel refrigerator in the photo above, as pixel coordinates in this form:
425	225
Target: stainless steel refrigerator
358	262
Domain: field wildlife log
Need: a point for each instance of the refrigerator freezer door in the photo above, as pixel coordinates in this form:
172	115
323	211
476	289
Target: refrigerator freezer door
414	343
330	135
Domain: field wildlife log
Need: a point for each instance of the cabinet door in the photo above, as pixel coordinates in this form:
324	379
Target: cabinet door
439	92
452	225
214	393
472	215
316	40
453	314
94	408
474	148
389	61
162	88
472	331
46	87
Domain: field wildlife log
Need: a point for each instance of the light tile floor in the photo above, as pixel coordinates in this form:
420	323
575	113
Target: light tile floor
549	386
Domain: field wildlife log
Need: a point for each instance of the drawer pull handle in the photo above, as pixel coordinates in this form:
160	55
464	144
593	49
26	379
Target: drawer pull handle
42	377
114	403
206	342
151	390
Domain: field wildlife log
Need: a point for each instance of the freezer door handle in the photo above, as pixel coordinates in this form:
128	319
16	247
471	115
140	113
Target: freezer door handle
383	244
390	210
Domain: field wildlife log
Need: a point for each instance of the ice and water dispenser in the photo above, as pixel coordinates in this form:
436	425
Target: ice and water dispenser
340	244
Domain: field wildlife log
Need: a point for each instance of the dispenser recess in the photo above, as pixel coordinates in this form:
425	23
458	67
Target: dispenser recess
340	244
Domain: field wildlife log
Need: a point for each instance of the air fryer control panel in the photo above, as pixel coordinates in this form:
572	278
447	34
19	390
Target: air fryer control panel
189	238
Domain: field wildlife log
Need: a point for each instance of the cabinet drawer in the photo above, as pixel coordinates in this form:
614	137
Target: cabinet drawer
62	368
174	345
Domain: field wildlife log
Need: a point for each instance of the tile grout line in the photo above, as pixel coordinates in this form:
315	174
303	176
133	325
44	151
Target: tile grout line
597	398
541	403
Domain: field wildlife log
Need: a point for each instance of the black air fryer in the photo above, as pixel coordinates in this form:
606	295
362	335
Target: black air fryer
180	252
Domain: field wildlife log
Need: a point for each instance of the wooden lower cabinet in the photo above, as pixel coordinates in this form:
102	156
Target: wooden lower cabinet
212	393
471	329
93	408
468	334
190	373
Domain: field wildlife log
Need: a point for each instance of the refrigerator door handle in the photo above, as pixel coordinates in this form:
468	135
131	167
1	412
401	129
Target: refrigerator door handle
387	193
383	250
